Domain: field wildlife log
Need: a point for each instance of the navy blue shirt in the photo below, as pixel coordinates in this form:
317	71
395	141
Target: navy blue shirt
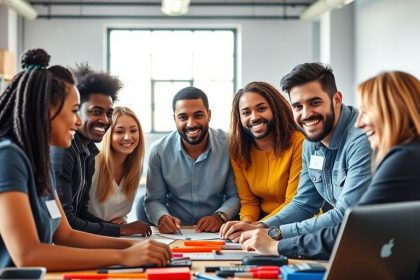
396	180
17	176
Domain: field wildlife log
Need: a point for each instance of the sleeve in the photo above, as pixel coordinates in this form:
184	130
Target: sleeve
294	174
357	179
63	161
156	189
317	245
14	175
250	204
305	204
231	204
396	179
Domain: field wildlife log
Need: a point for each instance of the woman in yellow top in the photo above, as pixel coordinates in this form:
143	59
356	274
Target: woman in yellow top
266	151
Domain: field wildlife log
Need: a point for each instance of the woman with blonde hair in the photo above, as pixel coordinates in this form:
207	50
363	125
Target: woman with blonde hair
390	117
118	168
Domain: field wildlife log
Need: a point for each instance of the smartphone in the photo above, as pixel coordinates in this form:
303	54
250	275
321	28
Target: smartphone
32	273
264	260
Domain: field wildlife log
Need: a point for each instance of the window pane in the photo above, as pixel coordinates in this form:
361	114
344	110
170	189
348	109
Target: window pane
154	64
164	92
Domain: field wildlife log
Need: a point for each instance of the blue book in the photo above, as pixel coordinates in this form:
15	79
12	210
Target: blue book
303	271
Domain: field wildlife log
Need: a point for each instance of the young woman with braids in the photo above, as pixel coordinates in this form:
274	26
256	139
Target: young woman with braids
38	109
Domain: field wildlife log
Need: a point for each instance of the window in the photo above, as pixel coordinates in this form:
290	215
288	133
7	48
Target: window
154	64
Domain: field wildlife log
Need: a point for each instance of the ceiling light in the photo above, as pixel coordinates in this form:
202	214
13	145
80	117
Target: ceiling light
175	7
315	10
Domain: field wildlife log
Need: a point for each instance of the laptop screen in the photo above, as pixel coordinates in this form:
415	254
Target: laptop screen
378	242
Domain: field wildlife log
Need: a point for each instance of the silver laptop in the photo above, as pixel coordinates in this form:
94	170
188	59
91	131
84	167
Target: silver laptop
378	242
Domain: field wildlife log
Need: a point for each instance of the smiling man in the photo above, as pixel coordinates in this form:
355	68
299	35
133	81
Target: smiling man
189	178
336	156
74	166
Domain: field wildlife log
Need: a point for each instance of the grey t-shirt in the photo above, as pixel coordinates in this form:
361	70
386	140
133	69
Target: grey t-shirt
16	175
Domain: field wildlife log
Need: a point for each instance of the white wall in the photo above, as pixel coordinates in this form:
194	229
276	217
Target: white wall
387	37
269	48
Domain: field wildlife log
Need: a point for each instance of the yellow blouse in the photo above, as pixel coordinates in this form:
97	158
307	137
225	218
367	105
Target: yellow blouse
269	183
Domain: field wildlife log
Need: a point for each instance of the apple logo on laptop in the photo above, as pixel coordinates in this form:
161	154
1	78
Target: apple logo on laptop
386	249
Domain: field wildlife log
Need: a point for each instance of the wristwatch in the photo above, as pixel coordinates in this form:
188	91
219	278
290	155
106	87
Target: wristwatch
222	215
275	233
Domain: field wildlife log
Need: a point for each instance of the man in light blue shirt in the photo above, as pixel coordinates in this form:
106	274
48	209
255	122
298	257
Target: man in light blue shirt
189	178
336	168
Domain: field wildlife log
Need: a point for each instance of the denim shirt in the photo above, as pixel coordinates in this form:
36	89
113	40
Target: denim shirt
189	188
344	177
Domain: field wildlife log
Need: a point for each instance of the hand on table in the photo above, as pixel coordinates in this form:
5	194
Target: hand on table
169	224
137	227
209	224
232	230
146	252
259	241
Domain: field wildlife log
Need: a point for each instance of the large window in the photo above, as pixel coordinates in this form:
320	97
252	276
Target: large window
155	63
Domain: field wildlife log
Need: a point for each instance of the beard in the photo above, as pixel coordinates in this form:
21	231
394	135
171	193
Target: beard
328	121
197	140
270	125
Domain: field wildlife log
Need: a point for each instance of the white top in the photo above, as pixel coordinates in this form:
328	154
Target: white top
117	205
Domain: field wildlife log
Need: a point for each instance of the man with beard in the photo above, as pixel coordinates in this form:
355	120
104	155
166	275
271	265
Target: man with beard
336	157
75	166
266	151
189	178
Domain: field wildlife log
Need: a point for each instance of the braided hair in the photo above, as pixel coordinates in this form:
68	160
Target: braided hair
24	110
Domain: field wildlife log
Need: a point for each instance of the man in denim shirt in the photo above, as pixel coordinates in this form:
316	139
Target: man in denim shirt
336	167
189	178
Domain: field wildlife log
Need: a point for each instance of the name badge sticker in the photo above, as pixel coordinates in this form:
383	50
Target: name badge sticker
317	162
53	209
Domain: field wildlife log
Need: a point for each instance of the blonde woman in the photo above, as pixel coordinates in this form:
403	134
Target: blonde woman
118	169
390	117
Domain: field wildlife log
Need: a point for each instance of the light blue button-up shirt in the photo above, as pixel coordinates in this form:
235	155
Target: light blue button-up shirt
188	188
344	177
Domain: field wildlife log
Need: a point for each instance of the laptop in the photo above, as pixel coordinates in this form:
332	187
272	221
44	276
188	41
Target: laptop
378	242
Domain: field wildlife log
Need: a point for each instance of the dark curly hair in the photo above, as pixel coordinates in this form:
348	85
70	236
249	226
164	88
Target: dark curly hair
24	114
89	82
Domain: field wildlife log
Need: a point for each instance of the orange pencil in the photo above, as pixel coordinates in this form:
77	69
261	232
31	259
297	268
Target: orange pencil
204	243
196	249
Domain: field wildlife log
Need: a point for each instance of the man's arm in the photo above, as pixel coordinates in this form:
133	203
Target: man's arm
357	179
63	162
307	201
156	190
231	204
317	245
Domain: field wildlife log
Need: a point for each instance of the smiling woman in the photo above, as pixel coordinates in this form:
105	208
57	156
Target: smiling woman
118	168
34	230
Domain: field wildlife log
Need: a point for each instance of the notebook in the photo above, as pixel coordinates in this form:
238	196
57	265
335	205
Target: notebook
378	242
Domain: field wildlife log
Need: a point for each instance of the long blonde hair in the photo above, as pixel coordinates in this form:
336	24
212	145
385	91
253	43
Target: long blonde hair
132	166
393	98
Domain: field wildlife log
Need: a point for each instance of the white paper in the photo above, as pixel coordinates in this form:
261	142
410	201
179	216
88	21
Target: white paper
190	234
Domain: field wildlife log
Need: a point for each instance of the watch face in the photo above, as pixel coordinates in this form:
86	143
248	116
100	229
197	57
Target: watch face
274	232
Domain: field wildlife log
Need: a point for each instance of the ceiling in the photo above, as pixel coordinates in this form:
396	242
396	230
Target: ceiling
150	9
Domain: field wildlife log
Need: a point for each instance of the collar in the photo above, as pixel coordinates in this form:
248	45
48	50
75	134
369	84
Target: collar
91	148
339	132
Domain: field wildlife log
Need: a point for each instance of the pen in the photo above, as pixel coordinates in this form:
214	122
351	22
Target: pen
203	276
179	231
120	270
103	276
264	274
241	268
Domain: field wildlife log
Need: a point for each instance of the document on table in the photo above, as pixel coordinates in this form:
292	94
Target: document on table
189	234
